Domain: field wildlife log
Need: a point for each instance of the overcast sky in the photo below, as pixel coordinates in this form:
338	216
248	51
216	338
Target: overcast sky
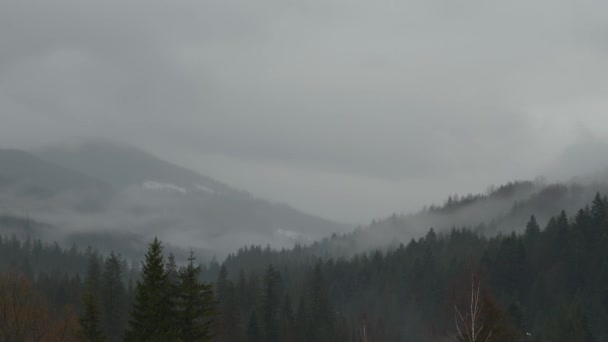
349	109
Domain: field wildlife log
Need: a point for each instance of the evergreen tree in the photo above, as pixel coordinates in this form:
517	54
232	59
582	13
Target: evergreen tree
195	305
173	280
113	298
562	243
270	304
93	276
171	269
303	318
253	289
431	236
229	325
584	224
532	229
320	311
152	314
287	320
598	210
568	324
89	321
222	285
241	290
253	331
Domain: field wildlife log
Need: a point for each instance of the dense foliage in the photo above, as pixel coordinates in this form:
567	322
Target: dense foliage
542	285
545	284
168	308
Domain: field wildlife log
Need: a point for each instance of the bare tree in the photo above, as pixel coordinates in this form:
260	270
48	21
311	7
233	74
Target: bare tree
471	324
26	316
366	330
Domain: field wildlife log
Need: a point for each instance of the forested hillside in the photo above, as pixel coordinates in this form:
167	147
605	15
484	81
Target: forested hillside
114	197
547	283
502	209
304	171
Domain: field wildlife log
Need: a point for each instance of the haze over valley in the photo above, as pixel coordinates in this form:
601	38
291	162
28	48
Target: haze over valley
304	171
114	196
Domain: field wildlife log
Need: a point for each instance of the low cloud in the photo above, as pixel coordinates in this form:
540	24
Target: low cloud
349	109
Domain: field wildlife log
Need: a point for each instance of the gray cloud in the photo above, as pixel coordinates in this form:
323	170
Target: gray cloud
349	109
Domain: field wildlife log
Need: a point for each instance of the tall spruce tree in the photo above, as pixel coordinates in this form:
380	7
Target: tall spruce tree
598	210
270	305
152	314
253	331
303	318
229	326
89	320
287	320
172	272
532	229
93	276
113	299
195	307
321	311
171	269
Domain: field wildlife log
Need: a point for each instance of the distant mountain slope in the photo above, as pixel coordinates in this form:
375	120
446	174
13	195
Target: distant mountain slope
145	196
30	184
117	191
124	165
24	172
503	210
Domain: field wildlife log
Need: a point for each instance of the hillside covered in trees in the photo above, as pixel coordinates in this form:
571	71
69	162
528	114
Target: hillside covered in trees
546	283
304	171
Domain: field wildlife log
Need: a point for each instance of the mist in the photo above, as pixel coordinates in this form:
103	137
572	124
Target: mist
346	110
314	170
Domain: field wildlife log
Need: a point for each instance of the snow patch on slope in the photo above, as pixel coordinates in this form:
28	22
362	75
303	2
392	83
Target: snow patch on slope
203	188
152	185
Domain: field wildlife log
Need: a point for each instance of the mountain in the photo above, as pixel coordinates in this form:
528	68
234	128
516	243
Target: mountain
28	182
501	210
31	175
123	165
113	194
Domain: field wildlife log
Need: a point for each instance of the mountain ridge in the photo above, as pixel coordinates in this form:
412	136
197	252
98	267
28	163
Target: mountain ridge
146	196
